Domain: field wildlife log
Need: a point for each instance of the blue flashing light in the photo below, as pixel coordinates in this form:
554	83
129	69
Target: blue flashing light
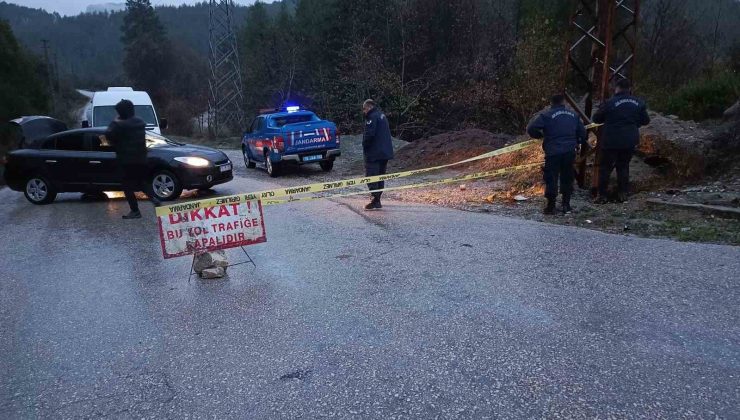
292	108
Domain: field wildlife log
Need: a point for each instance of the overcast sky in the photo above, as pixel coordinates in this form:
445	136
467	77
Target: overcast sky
73	7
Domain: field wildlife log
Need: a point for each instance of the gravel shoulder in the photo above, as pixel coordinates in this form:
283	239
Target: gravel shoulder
496	195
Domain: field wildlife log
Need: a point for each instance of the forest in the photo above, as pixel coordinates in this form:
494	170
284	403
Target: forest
433	65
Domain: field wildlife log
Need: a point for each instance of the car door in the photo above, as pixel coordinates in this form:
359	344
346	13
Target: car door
101	170
255	139
66	164
248	137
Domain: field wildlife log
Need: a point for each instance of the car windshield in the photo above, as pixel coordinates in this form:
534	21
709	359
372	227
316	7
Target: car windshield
155	140
292	119
103	115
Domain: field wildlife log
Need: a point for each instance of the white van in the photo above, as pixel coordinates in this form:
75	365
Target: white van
100	111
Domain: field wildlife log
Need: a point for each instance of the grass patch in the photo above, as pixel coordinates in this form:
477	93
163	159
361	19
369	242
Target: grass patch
724	231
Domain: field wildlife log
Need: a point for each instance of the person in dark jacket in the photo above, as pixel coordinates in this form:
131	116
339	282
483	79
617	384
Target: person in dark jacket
377	147
622	116
127	133
562	131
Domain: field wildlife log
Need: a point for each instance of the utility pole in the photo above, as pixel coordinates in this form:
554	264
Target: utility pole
57	85
601	50
50	77
226	99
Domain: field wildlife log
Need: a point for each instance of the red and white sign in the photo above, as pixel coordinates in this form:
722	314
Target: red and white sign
210	225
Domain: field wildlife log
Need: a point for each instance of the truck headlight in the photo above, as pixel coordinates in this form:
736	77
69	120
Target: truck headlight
193	161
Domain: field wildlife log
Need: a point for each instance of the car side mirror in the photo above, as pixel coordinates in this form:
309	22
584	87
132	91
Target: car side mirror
85	124
163	123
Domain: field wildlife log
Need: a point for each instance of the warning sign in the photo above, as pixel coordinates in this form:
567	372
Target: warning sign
209	225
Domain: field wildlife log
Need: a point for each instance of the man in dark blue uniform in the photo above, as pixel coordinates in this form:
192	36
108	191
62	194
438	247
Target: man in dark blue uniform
622	116
562	131
377	147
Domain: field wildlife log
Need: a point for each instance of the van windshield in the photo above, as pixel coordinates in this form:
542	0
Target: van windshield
103	115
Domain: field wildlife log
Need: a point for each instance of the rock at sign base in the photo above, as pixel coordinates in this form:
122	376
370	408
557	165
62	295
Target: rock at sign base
210	260
219	258
212	273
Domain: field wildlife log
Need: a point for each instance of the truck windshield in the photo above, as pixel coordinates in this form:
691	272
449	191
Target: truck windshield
103	115
292	119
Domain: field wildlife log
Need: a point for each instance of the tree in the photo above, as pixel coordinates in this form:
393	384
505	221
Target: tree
187	89
259	60
21	82
734	57
147	57
533	77
22	89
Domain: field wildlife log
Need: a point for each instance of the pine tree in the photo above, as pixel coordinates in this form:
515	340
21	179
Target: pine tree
147	54
22	90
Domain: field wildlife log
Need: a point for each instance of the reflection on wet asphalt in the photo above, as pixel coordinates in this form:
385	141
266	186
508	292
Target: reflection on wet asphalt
414	311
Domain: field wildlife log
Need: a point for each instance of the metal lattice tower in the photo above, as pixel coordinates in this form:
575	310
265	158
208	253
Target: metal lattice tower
226	98
602	50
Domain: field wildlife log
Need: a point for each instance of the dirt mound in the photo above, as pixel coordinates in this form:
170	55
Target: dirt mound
528	181
724	160
679	146
671	152
448	148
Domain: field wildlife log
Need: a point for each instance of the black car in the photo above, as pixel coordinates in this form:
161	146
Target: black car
51	161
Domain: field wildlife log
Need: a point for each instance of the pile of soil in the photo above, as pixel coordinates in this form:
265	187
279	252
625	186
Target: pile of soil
448	148
526	182
725	150
672	153
679	147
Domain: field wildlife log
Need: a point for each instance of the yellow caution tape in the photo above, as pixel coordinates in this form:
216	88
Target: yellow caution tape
476	175
270	196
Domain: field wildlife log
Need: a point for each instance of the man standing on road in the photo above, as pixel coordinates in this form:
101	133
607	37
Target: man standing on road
127	133
622	116
562	131
377	147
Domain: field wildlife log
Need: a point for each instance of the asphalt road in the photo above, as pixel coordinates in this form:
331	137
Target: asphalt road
412	312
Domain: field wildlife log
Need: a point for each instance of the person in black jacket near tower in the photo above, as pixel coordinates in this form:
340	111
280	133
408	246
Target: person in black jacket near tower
377	147
562	131
127	133
622	116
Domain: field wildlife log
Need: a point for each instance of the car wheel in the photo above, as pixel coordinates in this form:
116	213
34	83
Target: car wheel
247	160
273	169
166	186
39	190
327	165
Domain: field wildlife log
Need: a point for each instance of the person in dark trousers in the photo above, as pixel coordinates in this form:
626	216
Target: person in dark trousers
377	147
622	116
562	131
127	133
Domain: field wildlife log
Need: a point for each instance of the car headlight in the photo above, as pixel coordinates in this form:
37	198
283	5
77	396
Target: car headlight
193	161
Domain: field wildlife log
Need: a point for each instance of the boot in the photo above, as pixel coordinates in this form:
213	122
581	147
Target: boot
133	214
550	207
567	209
374	204
622	197
601	199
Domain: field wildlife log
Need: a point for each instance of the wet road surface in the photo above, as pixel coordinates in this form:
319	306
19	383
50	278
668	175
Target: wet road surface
412	312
